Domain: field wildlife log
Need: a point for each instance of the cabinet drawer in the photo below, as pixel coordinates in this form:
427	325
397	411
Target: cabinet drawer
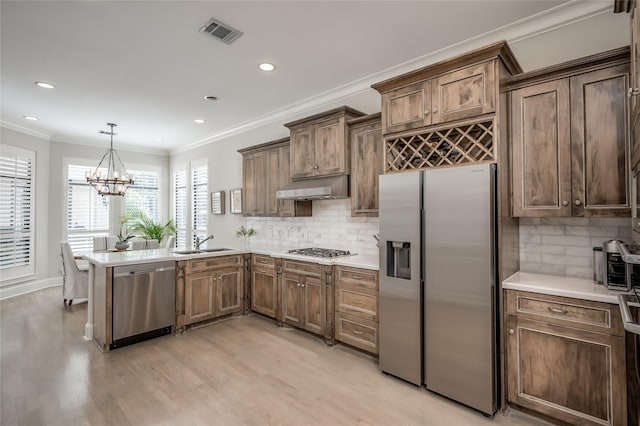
263	261
357	332
357	300
361	276
577	313
302	268
215	262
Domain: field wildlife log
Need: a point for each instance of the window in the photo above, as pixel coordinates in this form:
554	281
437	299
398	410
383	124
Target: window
144	194
199	205
17	185
190	184
87	211
180	207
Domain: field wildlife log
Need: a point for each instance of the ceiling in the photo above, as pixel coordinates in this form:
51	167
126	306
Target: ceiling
145	66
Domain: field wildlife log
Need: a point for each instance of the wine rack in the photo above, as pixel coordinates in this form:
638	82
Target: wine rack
463	144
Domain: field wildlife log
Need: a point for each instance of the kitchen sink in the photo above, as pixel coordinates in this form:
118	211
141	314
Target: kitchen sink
193	251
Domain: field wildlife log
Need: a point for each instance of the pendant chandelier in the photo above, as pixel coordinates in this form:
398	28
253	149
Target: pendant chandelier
116	180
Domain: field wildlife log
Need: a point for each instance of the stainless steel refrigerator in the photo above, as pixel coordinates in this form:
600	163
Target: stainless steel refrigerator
438	296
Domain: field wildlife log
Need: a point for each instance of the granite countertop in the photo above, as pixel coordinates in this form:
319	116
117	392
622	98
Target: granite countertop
578	288
118	258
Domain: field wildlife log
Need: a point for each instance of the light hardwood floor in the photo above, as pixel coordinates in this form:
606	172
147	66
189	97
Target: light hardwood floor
241	371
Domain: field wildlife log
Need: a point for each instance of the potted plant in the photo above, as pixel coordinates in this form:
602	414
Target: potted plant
139	222
123	241
245	233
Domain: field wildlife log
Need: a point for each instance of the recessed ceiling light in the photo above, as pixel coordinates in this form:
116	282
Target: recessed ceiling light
28	117
199	120
44	85
266	66
211	98
158	139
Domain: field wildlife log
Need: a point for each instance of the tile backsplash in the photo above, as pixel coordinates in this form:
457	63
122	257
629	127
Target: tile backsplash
331	226
564	246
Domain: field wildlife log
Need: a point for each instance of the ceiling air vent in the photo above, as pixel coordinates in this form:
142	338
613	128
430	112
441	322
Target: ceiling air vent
222	32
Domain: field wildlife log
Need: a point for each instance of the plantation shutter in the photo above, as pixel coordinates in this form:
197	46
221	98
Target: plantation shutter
16	211
199	204
180	206
144	193
87	211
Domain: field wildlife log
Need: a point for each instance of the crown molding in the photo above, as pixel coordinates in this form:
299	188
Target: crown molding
549	20
25	130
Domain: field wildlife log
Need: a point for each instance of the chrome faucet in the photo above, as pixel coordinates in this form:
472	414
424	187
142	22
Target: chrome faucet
199	243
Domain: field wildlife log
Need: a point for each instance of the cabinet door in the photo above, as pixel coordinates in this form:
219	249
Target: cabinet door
575	376
248	184
292	312
272	182
315	305
331	151
199	297
229	291
635	62
407	108
366	165
541	166
302	152
286	207
264	291
464	93
254	184
600	143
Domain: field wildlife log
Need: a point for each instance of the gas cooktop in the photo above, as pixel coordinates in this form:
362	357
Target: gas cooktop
320	252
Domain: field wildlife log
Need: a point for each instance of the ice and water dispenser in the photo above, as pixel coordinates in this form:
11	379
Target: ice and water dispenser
399	259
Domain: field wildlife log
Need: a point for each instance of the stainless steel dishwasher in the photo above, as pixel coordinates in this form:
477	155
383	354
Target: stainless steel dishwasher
143	302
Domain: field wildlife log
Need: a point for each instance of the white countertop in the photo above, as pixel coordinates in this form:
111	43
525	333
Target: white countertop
128	257
578	288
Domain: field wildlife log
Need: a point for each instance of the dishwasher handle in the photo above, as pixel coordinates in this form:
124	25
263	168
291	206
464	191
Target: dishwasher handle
143	271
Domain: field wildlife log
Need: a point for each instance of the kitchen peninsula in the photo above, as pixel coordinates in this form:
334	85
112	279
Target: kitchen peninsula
210	284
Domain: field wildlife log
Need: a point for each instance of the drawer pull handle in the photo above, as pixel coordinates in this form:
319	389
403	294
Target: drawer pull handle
264	261
357	302
357	277
357	332
558	311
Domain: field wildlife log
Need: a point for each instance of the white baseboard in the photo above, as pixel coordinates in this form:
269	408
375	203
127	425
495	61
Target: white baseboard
28	287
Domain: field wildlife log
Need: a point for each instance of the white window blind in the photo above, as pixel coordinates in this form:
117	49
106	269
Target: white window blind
180	207
87	211
16	211
199	204
144	193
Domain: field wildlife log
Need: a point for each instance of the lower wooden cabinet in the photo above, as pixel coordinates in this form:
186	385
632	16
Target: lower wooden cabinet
307	297
356	307
207	288
566	358
264	286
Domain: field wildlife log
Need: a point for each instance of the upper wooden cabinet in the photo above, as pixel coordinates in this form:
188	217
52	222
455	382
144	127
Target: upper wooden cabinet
570	139
319	144
459	88
365	137
634	89
265	169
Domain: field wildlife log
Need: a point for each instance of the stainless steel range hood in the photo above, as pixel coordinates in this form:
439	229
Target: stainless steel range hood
325	188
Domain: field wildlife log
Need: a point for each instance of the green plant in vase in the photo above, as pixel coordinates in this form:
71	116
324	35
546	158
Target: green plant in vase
123	240
245	233
145	227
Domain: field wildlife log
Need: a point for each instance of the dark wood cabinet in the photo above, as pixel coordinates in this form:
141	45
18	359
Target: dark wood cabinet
208	288
356	307
367	156
566	358
319	144
407	108
264	286
266	170
634	86
307	298
570	139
